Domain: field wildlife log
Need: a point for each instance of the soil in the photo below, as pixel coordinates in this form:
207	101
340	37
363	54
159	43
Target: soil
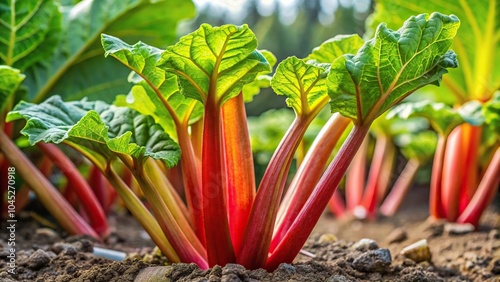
338	250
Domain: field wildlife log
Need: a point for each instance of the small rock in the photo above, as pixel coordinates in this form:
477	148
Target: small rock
60	246
327	238
373	261
364	245
233	268
287	268
458	228
418	251
397	235
47	233
38	259
338	278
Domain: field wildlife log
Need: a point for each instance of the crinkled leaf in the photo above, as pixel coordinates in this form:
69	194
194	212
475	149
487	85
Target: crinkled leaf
10	79
304	84
396	126
142	59
96	126
30	31
472	113
441	117
78	69
420	146
391	66
491	112
476	43
215	62
263	80
335	47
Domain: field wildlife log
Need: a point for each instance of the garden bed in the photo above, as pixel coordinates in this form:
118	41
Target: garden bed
44	255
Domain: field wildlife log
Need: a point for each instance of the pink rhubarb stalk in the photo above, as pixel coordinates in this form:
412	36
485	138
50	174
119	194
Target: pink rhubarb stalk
435	204
57	206
239	168
484	194
308	174
258	234
79	185
355	177
298	233
394	199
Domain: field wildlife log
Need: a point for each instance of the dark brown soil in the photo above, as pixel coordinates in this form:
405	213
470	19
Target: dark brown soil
46	255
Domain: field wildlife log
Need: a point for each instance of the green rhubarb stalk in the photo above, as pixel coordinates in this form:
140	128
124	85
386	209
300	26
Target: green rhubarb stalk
239	168
57	206
80	186
308	174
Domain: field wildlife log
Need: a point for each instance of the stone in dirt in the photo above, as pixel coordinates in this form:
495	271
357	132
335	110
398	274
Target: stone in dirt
364	245
38	259
418	251
373	261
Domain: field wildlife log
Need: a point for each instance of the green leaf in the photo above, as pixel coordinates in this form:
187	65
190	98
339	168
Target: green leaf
476	43
472	113
96	126
420	146
142	59
30	31
491	112
441	117
215	62
335	47
263	80
304	84
10	79
77	67
391	66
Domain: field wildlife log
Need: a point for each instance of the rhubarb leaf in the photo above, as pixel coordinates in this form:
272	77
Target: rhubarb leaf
391	66
151	80
215	62
30	31
476	43
77	67
335	47
441	117
304	84
10	79
263	80
104	129
491	112
472	113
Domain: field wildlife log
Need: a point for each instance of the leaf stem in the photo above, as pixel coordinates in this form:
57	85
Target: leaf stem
435	203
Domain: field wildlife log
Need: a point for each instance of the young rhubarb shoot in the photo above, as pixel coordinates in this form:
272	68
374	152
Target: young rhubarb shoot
384	71
212	64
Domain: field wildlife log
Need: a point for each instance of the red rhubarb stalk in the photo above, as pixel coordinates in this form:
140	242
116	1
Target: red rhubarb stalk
435	204
484	194
67	217
298	233
308	174
220	250
239	168
398	192
80	186
336	205
96	181
472	141
355	177
257	240
452	173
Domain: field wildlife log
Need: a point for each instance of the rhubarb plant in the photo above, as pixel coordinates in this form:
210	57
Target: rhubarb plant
192	94
460	151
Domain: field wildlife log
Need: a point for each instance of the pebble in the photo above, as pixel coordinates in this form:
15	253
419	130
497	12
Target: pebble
418	251
48	233
397	235
373	261
458	228
38	259
327	238
364	245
